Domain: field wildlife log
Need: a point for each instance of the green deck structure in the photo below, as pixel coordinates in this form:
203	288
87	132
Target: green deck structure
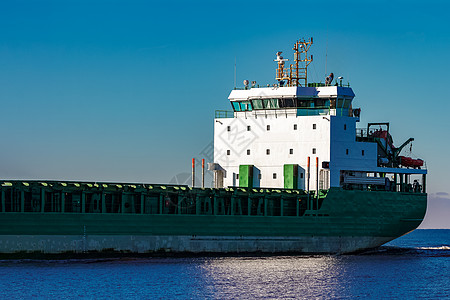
54	217
246	176
290	176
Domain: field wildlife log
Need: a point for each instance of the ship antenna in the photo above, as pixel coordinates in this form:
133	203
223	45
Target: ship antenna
297	72
281	73
235	72
326	55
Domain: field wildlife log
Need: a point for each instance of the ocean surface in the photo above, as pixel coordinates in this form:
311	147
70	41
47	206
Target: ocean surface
414	266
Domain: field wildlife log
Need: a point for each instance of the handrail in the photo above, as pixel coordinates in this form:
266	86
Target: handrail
224	114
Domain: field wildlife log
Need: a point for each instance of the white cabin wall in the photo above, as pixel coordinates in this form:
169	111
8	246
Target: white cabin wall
341	140
330	139
279	139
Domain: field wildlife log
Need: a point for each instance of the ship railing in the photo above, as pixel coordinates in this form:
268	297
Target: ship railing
285	75
363	136
300	111
341	112
361	132
323	110
224	114
313	111
390	181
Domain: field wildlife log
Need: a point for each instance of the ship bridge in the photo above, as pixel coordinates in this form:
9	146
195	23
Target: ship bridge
325	100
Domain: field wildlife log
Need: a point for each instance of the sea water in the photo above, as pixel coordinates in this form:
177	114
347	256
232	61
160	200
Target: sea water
414	266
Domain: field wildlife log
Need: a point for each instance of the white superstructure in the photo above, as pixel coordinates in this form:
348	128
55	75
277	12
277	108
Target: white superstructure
274	131
278	134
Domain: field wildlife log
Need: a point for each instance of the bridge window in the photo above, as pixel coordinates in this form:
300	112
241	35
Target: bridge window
305	103
321	102
242	106
286	103
347	102
343	102
271	103
246	106
275	103
258	104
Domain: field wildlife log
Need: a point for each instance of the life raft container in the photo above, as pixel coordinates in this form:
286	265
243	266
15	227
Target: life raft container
410	162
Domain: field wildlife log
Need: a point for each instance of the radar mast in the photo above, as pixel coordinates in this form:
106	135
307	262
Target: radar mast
298	71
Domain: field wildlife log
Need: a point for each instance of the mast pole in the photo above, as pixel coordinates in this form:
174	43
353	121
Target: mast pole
307	182
235	72
193	172
203	173
317	183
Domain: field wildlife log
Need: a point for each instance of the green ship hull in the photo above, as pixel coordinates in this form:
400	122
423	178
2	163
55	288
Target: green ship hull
57	217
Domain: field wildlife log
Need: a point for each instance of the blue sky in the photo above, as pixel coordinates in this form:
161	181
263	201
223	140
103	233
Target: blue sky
126	90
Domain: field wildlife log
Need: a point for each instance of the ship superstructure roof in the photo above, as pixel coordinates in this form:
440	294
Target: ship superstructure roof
291	92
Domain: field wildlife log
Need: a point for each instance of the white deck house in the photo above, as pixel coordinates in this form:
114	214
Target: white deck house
274	130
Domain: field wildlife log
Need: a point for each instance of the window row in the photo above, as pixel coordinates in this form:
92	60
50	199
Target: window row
291	151
348	151
274	176
276	103
314	126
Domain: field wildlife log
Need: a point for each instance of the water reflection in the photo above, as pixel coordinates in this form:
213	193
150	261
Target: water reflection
275	277
388	273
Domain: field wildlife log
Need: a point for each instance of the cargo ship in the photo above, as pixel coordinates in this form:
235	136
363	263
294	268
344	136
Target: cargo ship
293	173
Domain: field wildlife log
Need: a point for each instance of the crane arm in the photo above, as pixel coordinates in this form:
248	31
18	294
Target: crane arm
399	149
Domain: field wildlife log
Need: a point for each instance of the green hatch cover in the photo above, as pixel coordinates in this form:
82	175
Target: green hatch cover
290	176
246	176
